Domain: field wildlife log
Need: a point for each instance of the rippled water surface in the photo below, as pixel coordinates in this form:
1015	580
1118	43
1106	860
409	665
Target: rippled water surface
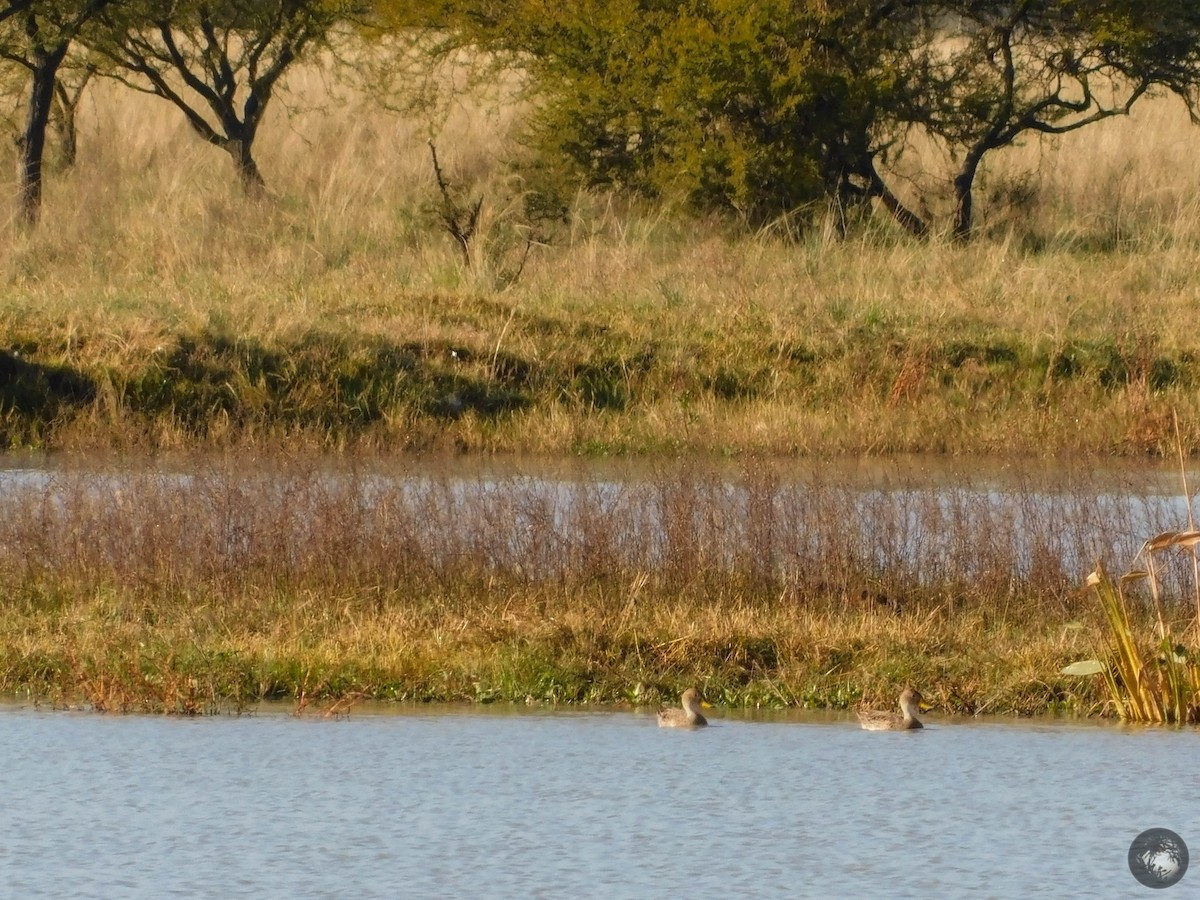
511	803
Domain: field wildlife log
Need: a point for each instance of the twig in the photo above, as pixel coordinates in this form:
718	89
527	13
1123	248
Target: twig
342	705
461	223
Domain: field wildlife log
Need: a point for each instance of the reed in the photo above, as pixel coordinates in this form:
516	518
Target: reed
1162	684
189	585
1159	685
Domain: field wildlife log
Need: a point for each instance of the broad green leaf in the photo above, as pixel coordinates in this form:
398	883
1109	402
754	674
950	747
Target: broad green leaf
1084	667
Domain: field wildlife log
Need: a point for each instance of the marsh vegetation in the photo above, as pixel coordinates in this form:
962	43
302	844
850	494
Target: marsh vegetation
335	322
214	583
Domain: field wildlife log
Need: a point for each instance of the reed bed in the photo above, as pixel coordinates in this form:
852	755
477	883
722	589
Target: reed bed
219	583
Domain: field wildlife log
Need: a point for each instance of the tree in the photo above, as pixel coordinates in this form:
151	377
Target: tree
765	105
218	62
755	106
1039	66
40	33
70	82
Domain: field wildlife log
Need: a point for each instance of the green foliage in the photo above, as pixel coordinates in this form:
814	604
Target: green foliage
723	104
766	106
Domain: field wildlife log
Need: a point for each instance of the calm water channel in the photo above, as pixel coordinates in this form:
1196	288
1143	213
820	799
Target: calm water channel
456	802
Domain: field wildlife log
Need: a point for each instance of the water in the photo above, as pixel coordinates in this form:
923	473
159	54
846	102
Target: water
912	521
458	802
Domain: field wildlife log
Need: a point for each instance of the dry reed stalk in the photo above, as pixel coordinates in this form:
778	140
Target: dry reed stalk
1161	686
1187	497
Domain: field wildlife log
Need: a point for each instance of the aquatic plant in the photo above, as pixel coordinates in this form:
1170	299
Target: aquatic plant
1159	681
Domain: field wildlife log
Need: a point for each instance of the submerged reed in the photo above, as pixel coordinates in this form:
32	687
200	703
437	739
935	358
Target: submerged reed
190	585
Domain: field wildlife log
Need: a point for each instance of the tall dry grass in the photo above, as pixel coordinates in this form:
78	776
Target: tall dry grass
151	206
210	583
1046	335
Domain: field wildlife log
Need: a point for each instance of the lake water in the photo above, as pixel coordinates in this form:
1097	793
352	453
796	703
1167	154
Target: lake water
487	802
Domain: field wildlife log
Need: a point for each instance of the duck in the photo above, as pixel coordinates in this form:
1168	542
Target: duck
688	717
881	720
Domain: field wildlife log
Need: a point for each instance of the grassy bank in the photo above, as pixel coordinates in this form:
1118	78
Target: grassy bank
210	584
159	309
581	383
117	649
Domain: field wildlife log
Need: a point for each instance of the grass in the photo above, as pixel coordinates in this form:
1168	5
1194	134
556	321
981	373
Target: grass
117	650
202	584
159	310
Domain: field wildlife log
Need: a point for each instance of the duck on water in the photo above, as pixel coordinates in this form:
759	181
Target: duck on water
905	720
688	717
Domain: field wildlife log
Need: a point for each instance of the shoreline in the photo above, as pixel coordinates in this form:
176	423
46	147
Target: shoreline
386	709
194	590
138	656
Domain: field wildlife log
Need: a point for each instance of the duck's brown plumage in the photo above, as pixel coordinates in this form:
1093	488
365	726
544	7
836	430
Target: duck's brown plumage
906	720
688	717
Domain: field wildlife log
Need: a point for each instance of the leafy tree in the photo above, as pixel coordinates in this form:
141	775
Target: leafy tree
1039	66
765	105
758	106
218	61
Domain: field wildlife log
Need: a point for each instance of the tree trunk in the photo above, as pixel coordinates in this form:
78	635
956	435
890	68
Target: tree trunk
64	128
33	141
908	220
66	102
252	181
964	182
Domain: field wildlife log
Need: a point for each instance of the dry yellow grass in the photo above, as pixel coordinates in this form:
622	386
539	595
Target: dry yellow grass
152	222
149	238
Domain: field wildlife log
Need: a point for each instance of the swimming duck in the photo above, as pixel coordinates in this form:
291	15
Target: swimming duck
880	720
688	717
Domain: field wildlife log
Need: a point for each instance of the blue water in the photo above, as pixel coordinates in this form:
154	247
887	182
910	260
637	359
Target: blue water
460	802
